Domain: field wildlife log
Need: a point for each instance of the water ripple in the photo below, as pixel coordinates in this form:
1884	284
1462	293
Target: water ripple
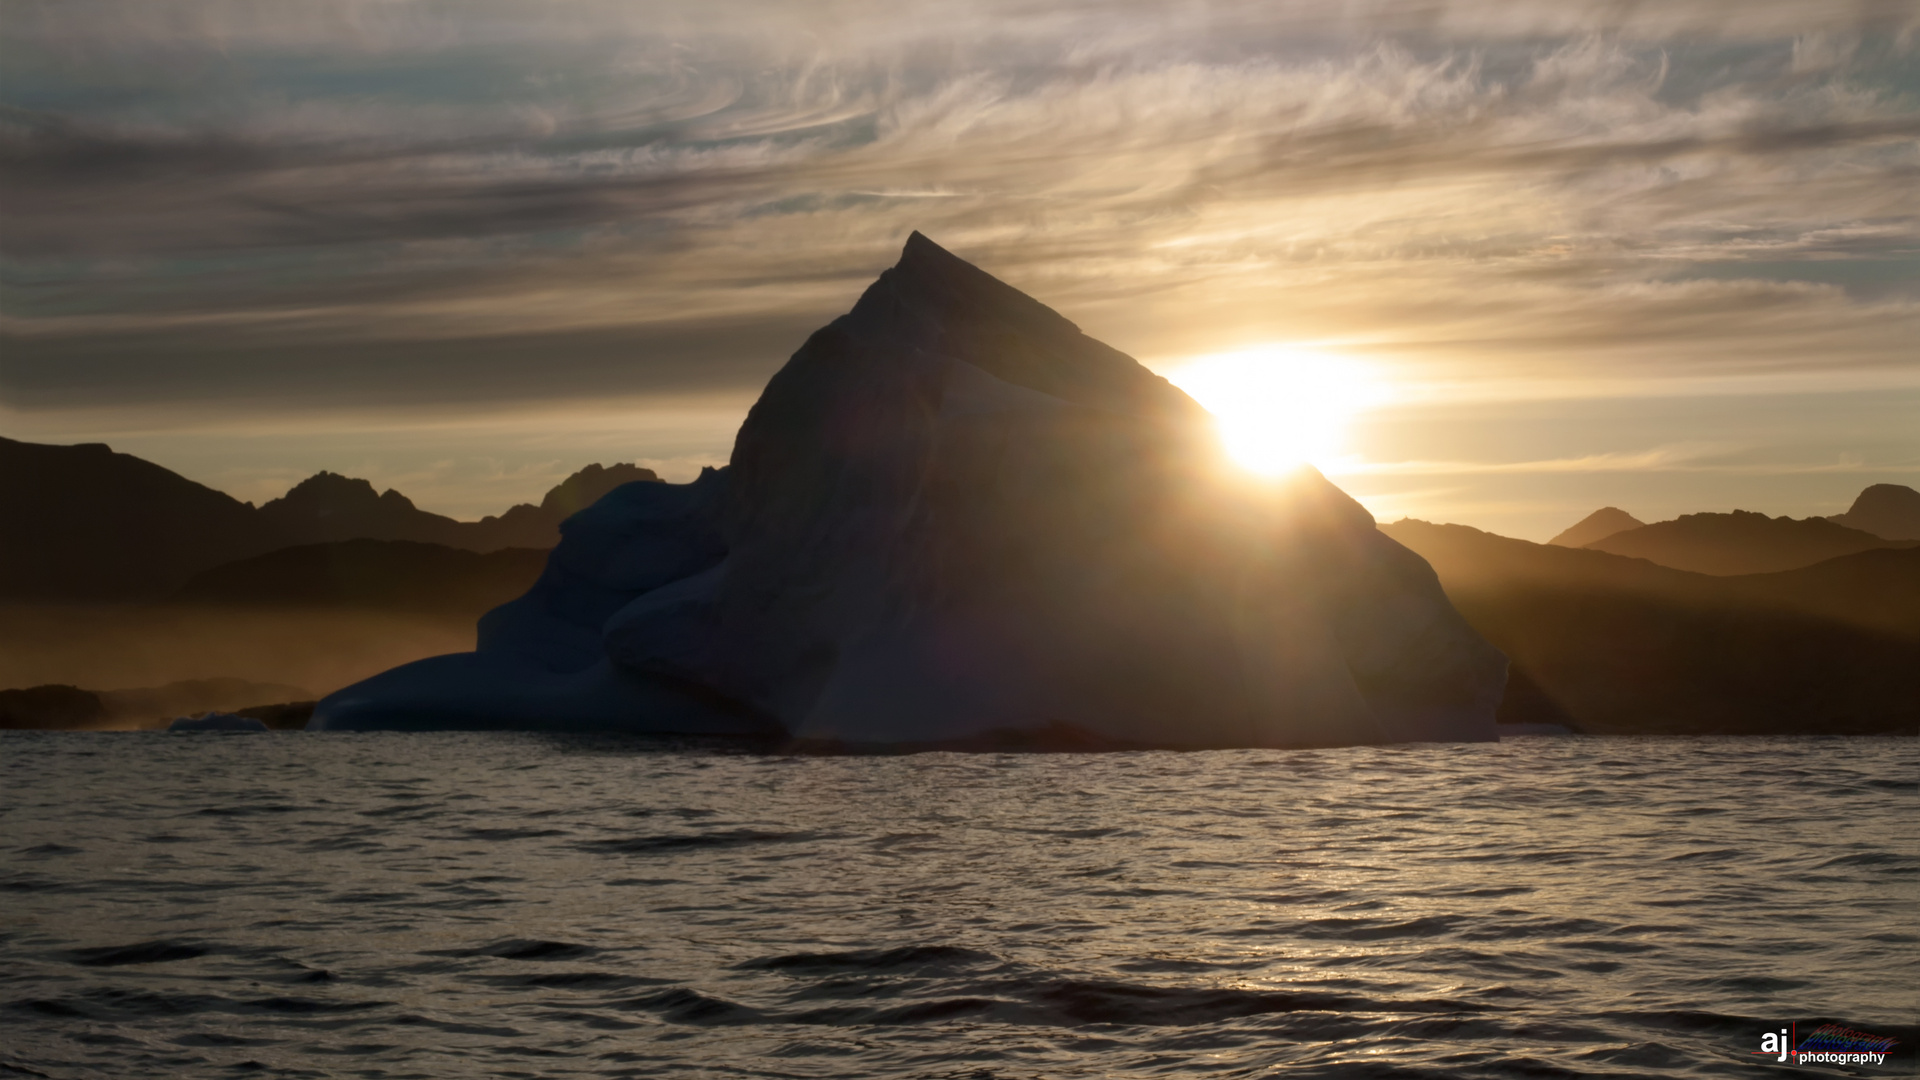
463	905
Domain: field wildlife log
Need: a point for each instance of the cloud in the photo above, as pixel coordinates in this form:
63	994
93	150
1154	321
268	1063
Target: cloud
1664	459
244	367
337	205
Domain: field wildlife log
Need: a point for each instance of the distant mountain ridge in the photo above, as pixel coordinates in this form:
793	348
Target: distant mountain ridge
1619	645
1741	542
327	507
1877	589
1598	525
1891	511
527	526
83	523
57	706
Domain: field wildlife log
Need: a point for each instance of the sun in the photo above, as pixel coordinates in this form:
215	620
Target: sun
1281	406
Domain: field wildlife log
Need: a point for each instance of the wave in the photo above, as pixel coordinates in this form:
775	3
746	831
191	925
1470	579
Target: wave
472	905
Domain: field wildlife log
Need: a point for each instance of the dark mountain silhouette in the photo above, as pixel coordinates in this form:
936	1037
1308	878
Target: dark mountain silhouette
327	506
1621	645
59	706
372	575
84	523
51	706
529	526
1878	589
1462	555
1598	525
1889	511
1742	542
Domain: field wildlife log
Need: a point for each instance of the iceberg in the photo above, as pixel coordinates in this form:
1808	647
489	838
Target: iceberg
952	519
217	721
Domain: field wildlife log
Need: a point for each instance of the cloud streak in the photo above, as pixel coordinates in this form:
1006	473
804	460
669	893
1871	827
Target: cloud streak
329	206
1661	460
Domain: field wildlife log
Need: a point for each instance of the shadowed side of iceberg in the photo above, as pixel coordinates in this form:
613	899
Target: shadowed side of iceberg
634	540
217	721
539	663
480	691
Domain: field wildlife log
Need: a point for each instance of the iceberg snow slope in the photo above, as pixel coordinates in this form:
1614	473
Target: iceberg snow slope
953	519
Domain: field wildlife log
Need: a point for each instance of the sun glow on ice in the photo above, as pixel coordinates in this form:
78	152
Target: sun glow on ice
1279	406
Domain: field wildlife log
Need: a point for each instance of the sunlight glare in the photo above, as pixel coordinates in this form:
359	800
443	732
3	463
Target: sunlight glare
1280	406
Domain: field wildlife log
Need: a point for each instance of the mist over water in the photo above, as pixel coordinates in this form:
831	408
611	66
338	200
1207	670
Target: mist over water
113	646
451	905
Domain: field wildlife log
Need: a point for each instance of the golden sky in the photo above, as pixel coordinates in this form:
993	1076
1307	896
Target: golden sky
1661	256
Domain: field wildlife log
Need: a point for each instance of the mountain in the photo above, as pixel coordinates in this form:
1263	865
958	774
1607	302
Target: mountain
371	575
1741	542
57	706
1622	646
326	507
53	706
1598	525
952	519
84	523
1889	511
1878	589
529	526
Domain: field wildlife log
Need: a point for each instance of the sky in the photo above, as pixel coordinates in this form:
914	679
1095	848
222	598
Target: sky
1659	256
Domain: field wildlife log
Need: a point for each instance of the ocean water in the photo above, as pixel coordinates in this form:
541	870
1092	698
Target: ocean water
454	905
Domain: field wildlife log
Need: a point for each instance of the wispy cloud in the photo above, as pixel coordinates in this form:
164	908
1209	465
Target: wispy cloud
1669	460
339	206
353	168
